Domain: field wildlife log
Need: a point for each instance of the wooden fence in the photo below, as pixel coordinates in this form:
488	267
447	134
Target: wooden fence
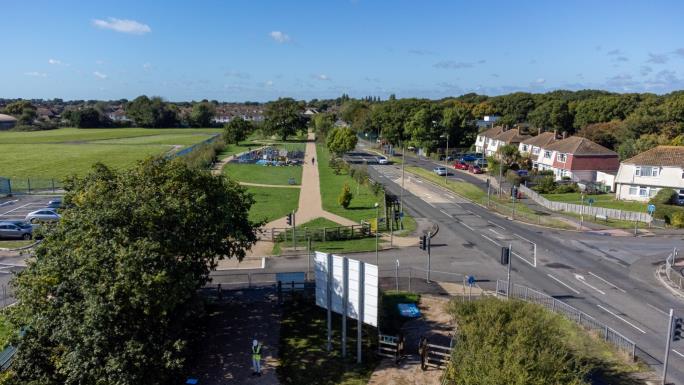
317	235
592	211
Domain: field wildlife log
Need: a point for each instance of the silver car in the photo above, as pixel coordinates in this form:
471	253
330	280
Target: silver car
15	230
441	171
42	215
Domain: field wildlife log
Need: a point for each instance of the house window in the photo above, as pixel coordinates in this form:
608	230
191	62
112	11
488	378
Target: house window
561	157
643	191
633	190
491	142
547	154
535	151
647	171
524	147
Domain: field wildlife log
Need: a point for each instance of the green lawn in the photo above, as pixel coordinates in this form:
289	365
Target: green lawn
602	200
362	205
272	203
5	331
255	173
318	223
303	356
345	246
55	154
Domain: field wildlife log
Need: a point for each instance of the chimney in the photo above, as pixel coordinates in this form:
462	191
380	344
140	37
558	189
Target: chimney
565	134
555	134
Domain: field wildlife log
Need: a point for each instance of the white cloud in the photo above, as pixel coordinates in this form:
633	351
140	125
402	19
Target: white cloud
36	74
100	75
54	61
540	81
147	66
321	77
123	25
656	58
268	83
450	64
280	37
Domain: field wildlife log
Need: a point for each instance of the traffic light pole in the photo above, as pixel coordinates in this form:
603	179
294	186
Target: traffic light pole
427	245
667	346
510	261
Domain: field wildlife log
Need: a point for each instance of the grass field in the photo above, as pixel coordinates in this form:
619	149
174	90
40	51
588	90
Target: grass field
58	153
255	173
362	205
602	200
5	331
272	203
304	359
14	244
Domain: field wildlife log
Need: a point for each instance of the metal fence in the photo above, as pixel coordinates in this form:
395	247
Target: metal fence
318	235
194	147
676	276
591	211
6	296
609	335
30	186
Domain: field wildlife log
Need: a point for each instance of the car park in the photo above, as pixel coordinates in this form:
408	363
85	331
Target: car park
461	165
441	171
42	215
475	169
15	230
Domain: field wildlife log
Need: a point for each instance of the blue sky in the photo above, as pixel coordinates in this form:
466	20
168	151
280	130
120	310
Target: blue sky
260	50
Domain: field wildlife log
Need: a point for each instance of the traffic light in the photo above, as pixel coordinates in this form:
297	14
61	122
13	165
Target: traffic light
505	255
677	329
423	242
289	219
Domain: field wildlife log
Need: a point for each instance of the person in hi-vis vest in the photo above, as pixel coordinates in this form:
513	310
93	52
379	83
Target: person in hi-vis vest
256	358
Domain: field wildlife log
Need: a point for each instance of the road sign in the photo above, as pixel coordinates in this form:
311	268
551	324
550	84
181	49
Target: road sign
651	208
401	214
590	201
471	280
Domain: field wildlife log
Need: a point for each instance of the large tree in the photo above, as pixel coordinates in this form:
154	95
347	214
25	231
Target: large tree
113	288
152	112
341	140
201	115
237	130
283	117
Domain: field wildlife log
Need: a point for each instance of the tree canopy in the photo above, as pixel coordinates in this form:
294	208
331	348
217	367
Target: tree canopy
237	130
283	117
152	112
341	140
201	115
112	290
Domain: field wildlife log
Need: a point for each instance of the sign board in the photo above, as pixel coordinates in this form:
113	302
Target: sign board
408	310
471	280
590	201
287	279
651	208
333	268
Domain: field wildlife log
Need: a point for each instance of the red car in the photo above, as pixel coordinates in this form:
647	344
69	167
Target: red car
475	169
460	165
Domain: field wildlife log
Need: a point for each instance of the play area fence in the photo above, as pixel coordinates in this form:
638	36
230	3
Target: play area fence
317	235
30	186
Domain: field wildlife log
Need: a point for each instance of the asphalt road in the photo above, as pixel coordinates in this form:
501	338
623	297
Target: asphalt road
609	278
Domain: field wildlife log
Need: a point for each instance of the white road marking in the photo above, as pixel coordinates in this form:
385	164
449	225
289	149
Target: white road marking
563	283
499	226
466	225
581	279
447	214
8	203
524	259
656	309
490	240
622	319
496	232
523	238
472	212
610	284
678	353
15	209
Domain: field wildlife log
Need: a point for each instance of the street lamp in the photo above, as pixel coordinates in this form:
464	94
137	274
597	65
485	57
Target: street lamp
446	155
377	228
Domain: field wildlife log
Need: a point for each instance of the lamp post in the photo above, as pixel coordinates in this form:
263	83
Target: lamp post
401	192
446	155
377	229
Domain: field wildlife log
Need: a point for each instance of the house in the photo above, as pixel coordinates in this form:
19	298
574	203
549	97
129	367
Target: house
310	112
576	158
7	122
642	176
341	123
485	139
491	140
532	146
487	122
118	116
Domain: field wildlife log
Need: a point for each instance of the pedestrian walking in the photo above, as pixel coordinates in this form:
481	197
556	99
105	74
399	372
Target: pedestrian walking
313	161
256	358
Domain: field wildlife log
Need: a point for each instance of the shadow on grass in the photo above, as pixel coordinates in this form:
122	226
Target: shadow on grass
303	340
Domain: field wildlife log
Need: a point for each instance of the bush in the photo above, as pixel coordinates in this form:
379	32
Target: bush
668	213
205	155
666	196
567	188
677	219
513	178
546	185
345	196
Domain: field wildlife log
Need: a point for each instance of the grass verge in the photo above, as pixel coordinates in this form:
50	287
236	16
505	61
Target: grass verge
255	173
304	359
601	200
272	203
14	244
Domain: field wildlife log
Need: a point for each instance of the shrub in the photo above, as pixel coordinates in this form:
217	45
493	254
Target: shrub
513	178
567	188
666	196
677	219
546	185
345	196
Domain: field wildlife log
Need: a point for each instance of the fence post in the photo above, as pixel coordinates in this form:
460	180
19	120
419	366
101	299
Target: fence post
553	305
28	182
606	333
410	276
580	318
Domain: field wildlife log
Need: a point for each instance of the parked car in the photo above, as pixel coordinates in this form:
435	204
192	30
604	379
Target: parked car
475	169
42	215
383	160
522	172
461	165
54	204
468	158
441	171
15	230
481	162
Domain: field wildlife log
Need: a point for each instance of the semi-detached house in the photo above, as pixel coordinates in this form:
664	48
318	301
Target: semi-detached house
642	176
491	140
576	158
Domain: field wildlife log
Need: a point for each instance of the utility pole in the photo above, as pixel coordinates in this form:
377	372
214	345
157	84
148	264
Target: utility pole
401	192
500	175
581	213
667	346
427	241
510	262
446	162
377	229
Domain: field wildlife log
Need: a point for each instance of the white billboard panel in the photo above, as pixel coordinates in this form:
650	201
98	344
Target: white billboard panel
337	286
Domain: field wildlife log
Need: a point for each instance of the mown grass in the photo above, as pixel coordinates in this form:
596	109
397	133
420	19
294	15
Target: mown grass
57	153
255	173
601	200
304	358
348	246
272	203
362	204
14	244
6	331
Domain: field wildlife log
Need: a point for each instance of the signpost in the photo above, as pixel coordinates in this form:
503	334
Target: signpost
347	287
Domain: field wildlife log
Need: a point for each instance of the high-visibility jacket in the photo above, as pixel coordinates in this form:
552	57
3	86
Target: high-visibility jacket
256	352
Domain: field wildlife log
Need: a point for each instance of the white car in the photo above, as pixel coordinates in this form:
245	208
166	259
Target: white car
42	215
441	171
383	160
